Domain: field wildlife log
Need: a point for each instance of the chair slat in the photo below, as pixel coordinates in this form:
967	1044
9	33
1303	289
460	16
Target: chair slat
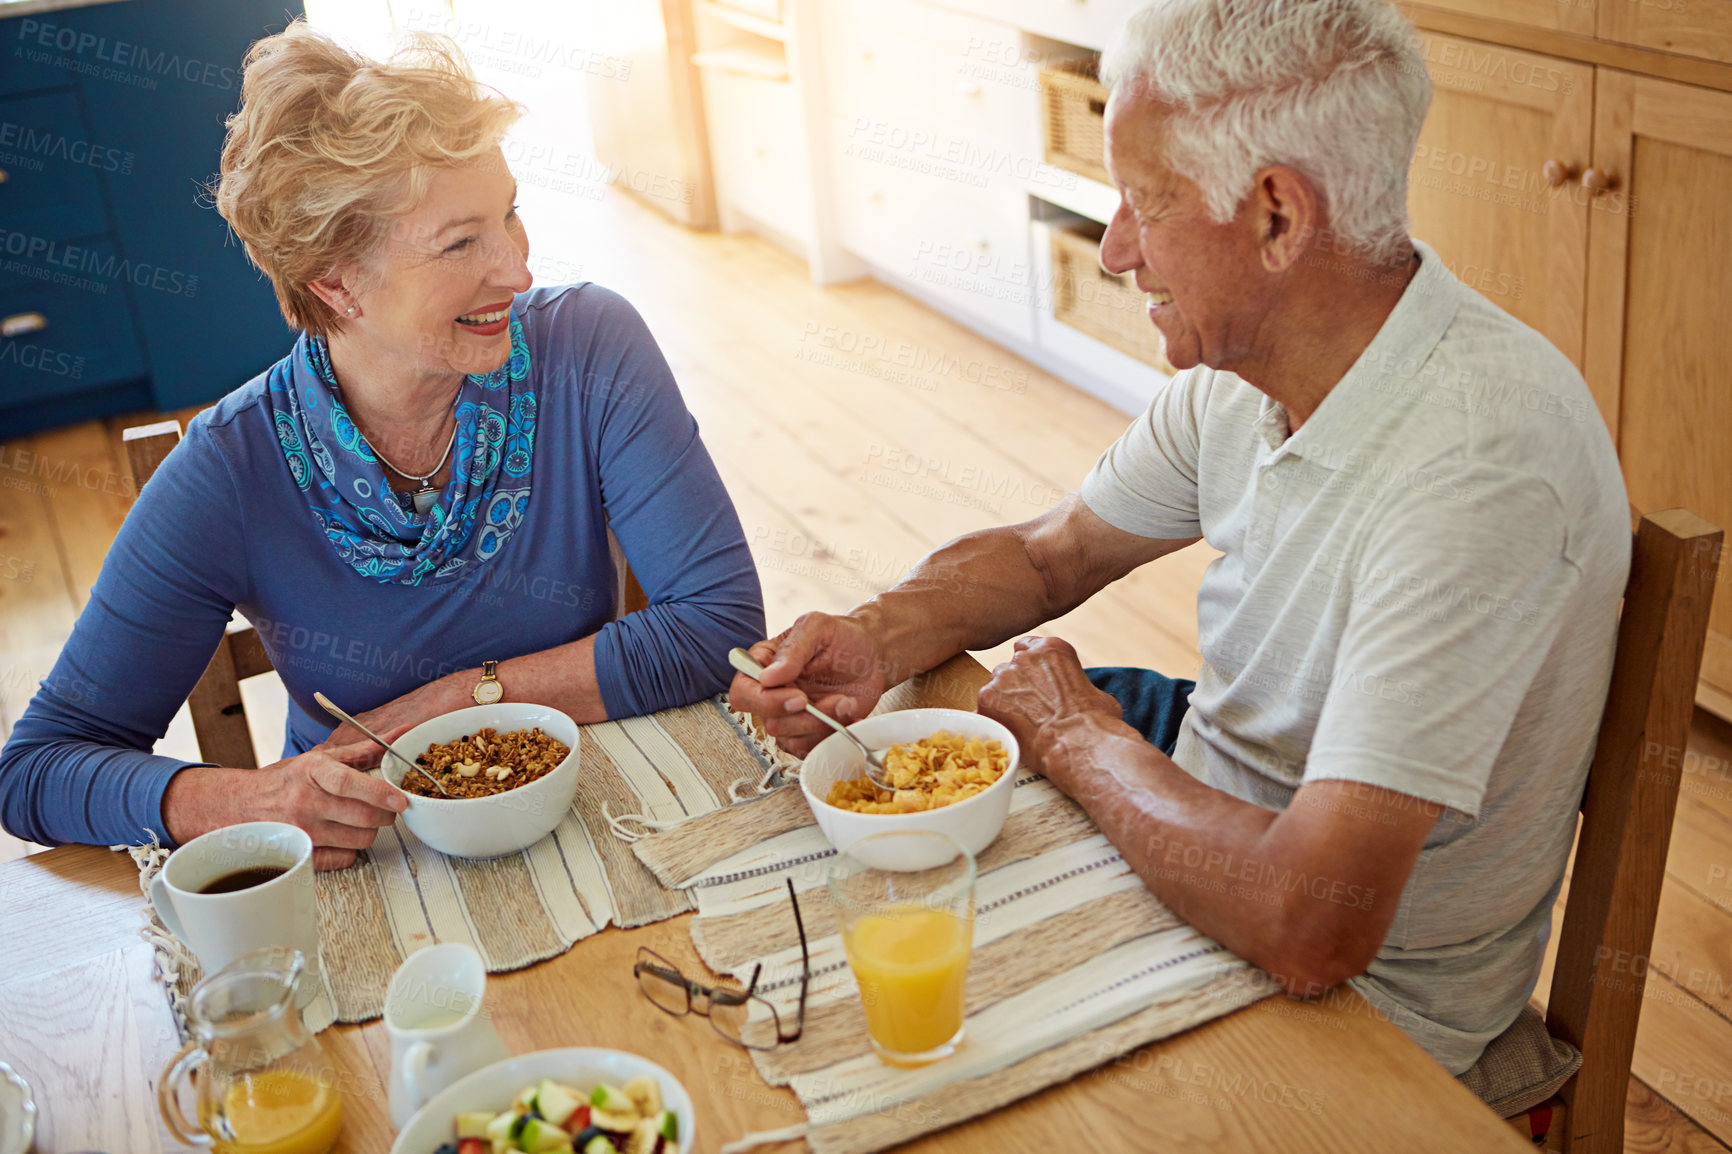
1627	809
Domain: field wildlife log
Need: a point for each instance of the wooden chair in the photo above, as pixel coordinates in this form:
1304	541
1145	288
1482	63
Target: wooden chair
1626	829
219	716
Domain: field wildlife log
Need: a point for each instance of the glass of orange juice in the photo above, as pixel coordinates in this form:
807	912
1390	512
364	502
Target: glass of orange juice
905	903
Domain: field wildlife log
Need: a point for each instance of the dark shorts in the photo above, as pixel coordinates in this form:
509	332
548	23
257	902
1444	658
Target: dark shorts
1154	705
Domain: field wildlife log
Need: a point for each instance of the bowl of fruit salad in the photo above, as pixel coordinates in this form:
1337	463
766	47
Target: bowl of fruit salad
581	1101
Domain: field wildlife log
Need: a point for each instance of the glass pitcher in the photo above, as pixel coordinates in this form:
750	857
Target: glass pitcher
263	1086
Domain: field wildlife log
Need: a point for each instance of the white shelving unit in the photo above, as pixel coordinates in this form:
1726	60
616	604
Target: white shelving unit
902	139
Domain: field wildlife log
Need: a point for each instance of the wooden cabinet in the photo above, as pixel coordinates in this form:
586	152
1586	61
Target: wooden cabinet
1659	294
1700	28
123	289
1494	185
1589	202
1559	15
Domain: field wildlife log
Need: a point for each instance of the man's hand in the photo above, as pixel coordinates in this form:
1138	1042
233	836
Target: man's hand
833	662
323	791
403	714
1040	695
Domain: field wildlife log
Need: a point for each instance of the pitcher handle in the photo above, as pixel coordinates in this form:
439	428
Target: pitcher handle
415	1073
168	1096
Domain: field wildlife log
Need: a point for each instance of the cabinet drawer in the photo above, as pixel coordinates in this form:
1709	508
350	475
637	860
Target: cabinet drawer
756	149
1691	27
1560	15
963	243
51	189
87	343
907	63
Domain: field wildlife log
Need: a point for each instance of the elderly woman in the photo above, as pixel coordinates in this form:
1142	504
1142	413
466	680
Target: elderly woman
413	507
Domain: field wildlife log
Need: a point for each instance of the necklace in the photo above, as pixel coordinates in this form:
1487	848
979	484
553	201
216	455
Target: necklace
426	496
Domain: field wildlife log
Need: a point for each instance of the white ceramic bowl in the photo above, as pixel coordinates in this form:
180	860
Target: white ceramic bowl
493	1087
973	823
478	827
17	1112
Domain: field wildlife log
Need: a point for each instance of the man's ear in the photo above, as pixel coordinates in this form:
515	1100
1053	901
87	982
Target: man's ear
1287	216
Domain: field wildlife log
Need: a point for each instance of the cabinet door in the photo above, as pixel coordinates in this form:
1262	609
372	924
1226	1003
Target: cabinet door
1659	297
1478	190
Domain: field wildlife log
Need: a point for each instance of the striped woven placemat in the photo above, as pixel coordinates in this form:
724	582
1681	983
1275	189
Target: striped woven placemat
1075	962
524	907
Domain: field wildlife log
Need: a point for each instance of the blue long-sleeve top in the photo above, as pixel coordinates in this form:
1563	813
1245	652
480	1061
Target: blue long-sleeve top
222	525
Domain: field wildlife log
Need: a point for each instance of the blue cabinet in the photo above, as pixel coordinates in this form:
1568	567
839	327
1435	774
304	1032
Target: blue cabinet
120	287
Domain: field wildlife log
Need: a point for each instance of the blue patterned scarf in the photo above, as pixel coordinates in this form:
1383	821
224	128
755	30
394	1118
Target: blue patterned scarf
375	530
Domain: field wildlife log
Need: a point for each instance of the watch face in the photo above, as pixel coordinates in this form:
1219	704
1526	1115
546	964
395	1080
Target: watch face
488	692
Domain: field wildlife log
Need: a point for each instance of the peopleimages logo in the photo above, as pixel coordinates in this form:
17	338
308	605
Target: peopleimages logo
37	38
73	259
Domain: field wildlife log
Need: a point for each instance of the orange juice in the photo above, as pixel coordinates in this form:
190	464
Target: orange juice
911	963
280	1112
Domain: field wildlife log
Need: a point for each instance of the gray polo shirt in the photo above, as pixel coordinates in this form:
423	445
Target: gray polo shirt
1419	591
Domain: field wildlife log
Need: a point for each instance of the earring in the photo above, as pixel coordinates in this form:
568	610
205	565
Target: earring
351	310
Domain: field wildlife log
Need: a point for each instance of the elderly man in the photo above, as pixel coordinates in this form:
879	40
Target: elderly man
1407	639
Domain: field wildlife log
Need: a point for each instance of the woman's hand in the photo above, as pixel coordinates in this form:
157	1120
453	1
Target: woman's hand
455	691
1042	695
323	791
832	662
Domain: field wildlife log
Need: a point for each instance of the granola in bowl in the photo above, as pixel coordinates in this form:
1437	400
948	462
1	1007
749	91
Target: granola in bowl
486	763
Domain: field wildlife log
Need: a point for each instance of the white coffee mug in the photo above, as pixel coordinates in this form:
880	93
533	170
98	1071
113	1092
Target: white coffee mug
220	927
439	1030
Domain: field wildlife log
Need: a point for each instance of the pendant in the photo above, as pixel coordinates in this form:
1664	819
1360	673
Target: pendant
425	498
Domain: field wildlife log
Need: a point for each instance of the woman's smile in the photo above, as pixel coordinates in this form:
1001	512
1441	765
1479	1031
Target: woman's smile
489	321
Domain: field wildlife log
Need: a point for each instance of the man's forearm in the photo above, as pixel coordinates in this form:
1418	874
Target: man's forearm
1216	861
972	593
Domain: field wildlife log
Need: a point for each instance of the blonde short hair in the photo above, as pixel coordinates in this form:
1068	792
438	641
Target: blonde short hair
328	146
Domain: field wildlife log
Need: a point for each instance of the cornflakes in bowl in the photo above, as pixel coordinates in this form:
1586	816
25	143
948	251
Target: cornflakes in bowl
927	774
948	753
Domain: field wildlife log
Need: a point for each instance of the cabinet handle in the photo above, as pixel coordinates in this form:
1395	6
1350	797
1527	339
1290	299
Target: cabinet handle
967	88
1598	180
1557	172
22	324
4	176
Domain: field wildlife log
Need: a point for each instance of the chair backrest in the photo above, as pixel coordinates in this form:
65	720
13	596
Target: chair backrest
219	715
1632	792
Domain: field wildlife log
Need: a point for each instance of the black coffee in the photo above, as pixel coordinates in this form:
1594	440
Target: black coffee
242	879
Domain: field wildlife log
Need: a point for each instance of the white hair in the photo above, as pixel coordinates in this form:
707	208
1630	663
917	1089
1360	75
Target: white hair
1335	89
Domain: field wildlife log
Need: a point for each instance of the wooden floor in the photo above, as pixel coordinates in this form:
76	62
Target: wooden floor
851	428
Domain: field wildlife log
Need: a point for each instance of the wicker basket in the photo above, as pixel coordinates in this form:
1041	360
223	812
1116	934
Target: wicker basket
1088	298
1073	109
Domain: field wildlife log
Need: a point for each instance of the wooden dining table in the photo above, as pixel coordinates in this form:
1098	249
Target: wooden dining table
85	1022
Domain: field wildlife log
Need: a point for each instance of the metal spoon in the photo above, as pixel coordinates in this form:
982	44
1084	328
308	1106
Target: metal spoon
748	665
331	708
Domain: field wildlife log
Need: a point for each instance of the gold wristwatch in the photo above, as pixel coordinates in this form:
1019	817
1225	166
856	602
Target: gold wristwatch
488	691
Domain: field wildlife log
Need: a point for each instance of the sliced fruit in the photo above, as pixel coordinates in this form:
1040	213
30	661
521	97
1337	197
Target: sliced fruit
553	1103
668	1126
612	1099
538	1136
600	1144
643	1137
471	1145
621	1123
646	1094
473	1125
500	1127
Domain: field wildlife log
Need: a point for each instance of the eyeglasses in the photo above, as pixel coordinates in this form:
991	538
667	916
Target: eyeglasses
672	992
